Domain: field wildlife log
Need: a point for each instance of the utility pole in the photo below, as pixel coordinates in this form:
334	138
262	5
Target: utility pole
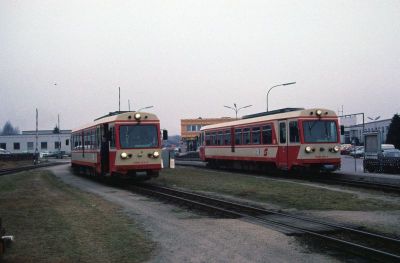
36	139
129	105
59	136
119	99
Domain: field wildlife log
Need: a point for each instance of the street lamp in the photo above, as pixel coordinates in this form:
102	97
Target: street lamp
284	84
374	119
148	107
236	109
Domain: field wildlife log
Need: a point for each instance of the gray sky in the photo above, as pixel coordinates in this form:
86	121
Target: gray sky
189	58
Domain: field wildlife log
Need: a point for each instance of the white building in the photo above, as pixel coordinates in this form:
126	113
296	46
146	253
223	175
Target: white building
356	131
47	141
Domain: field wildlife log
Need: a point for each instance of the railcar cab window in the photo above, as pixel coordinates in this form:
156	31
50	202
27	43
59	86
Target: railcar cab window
293	132
320	131
138	136
267	134
255	135
238	136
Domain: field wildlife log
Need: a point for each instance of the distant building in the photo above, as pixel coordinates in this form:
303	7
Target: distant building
47	141
190	130
355	132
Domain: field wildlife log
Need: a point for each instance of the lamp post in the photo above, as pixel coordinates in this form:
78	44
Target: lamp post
148	107
283	84
374	119
236	109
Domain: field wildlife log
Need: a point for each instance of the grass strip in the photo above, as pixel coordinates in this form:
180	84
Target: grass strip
53	222
285	194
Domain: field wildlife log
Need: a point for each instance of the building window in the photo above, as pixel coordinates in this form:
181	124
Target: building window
67	142
57	145
3	146
43	145
16	146
29	146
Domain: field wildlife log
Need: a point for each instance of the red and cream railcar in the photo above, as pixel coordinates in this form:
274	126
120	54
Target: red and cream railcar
119	144
285	139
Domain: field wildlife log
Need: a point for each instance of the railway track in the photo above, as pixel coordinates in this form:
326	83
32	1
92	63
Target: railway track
333	181
29	167
365	244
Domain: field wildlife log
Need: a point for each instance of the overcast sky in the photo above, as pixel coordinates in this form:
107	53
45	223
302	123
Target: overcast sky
189	58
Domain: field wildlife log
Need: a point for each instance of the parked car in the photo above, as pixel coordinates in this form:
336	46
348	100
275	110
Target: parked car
357	152
45	154
2	151
345	149
391	153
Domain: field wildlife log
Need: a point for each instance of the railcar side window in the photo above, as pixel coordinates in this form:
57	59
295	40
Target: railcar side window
214	138
227	137
267	134
246	136
293	132
255	135
238	136
282	132
220	138
208	138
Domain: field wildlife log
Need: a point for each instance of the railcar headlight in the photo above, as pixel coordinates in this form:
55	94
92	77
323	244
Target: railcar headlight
308	149
124	155
336	149
318	112
137	116
156	154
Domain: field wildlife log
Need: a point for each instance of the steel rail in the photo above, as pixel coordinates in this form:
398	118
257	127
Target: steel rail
355	183
29	167
205	200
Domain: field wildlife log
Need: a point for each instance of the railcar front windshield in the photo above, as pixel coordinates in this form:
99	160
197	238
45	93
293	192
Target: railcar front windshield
138	136
319	131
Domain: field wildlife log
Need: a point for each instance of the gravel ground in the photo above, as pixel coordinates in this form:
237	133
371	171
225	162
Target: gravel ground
186	237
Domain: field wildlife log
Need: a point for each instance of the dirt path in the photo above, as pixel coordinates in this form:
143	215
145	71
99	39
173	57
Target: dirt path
187	237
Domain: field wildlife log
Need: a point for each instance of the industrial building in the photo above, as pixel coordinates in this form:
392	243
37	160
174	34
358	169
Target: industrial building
190	131
355	132
47	141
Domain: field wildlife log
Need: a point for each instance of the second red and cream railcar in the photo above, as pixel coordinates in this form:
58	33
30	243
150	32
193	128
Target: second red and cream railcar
119	144
285	139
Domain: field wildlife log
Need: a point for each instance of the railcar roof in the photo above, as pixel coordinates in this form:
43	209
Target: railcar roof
278	116
146	116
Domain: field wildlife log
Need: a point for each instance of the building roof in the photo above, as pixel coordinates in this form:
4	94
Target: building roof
45	132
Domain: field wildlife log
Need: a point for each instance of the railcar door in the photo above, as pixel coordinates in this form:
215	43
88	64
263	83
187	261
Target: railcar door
283	147
104	149
293	143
